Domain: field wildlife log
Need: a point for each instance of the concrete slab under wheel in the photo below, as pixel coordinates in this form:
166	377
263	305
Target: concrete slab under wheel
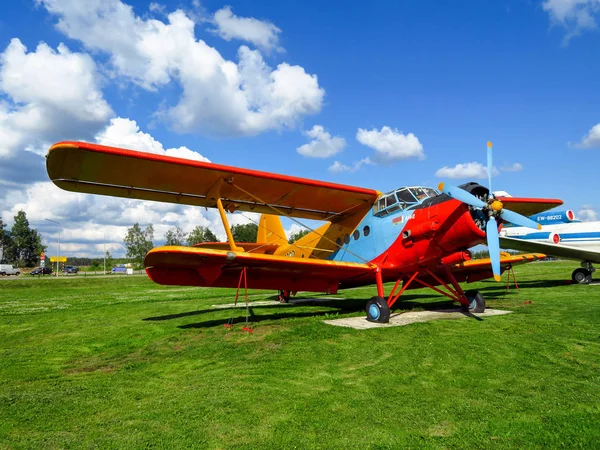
406	318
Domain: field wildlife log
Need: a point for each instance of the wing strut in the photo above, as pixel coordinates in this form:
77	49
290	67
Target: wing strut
234	248
215	192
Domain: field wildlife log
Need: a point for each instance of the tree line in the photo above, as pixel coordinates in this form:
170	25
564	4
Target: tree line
21	245
139	241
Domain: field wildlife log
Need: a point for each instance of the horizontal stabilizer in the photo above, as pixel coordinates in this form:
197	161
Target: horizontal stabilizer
529	206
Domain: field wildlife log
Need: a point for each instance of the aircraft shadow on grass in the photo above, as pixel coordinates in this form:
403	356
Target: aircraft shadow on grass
289	310
409	302
494	291
544	283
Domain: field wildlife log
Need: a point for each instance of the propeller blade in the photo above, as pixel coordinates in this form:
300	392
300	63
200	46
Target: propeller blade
518	219
493	242
489	165
461	194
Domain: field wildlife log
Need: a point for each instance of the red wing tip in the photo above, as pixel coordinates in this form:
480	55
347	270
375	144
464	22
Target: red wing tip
544	201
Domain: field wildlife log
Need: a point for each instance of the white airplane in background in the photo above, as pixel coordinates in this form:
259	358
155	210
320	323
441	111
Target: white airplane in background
561	236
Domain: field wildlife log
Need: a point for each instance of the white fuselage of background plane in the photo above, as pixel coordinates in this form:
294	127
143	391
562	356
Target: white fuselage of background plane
574	234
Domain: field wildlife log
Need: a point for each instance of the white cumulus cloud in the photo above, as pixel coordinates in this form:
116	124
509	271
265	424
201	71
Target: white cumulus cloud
219	97
322	144
52	95
474	170
574	15
293	229
263	34
125	133
466	170
338	167
390	144
85	218
587	213
592	139
516	167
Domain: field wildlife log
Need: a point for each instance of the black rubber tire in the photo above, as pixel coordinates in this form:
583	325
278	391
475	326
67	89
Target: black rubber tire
581	276
377	310
477	300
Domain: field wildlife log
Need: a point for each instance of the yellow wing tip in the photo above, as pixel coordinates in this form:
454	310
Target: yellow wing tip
62	145
489	144
497	277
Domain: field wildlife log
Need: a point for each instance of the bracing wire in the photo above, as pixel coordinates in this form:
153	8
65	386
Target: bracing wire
301	224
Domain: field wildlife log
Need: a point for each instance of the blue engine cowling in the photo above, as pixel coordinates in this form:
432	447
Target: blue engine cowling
551	218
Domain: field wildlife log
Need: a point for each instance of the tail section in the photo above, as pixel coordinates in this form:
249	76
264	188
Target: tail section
307	244
270	230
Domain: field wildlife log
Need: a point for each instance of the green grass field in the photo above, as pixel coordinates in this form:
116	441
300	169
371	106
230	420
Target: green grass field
120	362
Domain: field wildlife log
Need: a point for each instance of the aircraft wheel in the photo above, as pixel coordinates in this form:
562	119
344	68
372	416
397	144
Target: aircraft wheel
477	302
581	276
284	296
378	310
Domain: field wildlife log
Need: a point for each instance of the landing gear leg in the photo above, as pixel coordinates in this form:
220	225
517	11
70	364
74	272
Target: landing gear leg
377	308
284	296
476	302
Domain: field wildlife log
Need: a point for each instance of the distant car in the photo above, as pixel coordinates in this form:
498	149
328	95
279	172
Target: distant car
41	271
119	269
70	269
7	269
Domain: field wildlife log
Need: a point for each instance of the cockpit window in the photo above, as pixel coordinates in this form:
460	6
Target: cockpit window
401	199
386	204
420	193
404	196
431	192
390	200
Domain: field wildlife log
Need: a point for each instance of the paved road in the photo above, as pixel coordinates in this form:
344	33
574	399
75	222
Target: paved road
62	277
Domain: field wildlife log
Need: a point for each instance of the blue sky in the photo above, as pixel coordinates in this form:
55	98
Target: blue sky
379	96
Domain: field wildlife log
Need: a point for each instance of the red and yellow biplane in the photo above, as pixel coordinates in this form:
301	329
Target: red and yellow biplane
414	236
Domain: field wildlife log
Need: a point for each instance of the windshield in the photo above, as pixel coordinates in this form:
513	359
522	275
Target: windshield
402	198
405	196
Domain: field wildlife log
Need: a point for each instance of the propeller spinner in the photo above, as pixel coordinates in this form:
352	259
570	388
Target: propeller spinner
493	209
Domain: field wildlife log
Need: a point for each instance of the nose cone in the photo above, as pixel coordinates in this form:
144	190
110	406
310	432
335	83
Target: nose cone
497	205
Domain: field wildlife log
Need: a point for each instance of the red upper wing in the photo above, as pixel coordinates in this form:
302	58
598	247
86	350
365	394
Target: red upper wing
83	167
